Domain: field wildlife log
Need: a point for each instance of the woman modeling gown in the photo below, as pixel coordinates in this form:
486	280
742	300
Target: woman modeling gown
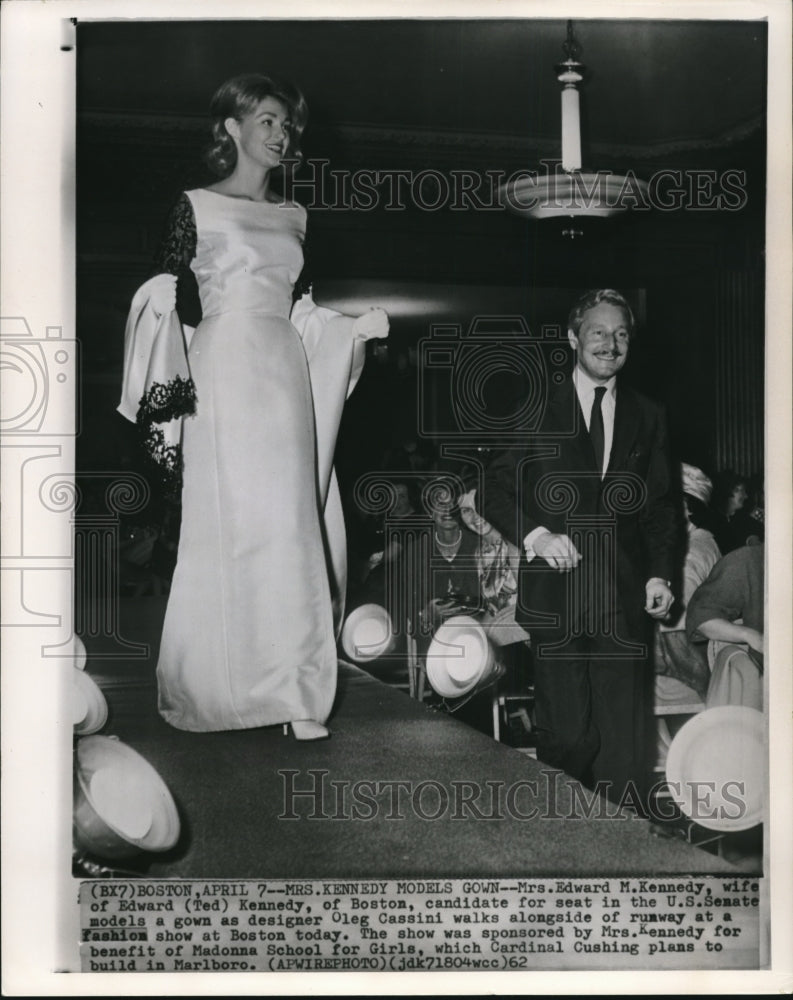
249	635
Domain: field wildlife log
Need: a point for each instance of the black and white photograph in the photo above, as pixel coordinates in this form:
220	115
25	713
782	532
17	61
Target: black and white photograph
397	536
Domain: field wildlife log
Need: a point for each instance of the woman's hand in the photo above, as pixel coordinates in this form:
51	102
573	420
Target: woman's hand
373	325
162	293
753	639
727	631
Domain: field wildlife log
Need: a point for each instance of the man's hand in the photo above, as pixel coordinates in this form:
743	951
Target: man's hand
557	550
659	598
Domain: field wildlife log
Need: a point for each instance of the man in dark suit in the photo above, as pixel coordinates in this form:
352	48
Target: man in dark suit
590	503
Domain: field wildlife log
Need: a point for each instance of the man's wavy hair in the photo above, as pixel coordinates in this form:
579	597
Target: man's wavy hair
236	98
594	298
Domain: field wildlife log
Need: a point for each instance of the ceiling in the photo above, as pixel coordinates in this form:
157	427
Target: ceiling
405	95
652	86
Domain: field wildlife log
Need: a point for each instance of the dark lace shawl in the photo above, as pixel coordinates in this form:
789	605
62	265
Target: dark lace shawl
304	283
178	246
176	398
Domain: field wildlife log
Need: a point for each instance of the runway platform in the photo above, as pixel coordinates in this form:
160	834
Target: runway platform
399	790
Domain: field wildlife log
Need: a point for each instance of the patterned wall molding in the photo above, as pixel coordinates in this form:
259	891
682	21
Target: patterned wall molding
130	128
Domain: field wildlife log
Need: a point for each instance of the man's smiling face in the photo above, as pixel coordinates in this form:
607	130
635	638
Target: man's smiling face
602	341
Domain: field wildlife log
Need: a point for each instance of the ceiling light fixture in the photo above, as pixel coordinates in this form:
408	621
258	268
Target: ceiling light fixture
564	190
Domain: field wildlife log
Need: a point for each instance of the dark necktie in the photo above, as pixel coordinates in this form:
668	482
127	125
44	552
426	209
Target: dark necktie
596	433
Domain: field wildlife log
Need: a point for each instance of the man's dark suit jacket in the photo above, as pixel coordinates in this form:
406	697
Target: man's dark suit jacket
552	481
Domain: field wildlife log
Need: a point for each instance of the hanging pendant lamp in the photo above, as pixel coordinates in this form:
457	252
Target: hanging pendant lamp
568	191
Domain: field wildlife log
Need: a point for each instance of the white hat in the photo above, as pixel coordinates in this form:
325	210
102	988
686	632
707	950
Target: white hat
368	633
696	483
460	658
721	750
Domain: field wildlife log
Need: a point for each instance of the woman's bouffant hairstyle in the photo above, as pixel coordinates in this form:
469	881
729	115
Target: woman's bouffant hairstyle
236	98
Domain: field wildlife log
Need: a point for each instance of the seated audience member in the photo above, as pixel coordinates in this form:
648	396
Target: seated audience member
470	568
748	524
676	656
729	608
444	577
462	567
729	497
498	575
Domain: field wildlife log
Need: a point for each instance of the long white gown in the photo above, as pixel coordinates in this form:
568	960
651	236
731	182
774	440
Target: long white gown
249	636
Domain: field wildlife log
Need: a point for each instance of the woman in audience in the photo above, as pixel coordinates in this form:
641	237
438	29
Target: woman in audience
675	655
730	494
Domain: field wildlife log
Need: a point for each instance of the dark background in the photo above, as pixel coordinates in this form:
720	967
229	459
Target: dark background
450	95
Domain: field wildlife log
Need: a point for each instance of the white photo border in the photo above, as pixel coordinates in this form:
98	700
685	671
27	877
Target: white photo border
40	919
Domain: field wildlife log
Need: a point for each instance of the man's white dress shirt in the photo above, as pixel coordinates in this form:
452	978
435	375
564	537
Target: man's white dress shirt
585	390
